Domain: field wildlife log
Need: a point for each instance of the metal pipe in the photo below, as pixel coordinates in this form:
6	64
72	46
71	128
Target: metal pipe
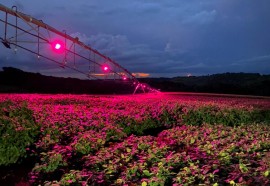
44	39
75	40
38	41
16	28
5	38
55	61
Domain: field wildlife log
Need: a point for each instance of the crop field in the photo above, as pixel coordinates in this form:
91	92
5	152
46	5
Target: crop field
147	140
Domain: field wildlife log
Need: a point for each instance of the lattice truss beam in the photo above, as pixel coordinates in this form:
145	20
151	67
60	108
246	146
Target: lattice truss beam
25	32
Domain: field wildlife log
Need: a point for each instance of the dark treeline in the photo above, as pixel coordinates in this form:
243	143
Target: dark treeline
227	83
13	80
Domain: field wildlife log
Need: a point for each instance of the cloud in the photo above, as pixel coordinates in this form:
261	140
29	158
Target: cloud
117	47
259	64
162	37
167	47
201	18
105	43
264	58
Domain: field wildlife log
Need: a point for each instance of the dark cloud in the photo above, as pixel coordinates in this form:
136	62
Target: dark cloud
165	37
201	18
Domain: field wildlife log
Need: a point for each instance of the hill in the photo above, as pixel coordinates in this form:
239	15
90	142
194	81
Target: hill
13	80
227	83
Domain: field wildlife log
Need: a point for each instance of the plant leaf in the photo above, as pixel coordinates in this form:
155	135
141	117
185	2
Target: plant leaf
266	173
144	183
192	140
146	173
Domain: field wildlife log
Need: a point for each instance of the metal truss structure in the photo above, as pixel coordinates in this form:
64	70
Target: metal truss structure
27	33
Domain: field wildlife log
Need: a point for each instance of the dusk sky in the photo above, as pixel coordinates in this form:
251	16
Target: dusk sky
162	38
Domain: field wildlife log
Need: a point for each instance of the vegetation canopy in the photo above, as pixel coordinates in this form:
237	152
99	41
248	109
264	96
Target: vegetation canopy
153	139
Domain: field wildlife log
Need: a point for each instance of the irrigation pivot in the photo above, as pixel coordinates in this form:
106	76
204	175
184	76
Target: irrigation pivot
33	35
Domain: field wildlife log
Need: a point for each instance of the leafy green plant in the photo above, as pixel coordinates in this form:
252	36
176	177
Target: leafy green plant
131	126
71	178
227	117
50	162
18	131
89	140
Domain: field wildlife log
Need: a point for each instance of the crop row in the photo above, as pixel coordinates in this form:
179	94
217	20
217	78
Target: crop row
139	140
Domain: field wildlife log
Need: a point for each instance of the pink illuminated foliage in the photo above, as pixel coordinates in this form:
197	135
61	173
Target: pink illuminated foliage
103	140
